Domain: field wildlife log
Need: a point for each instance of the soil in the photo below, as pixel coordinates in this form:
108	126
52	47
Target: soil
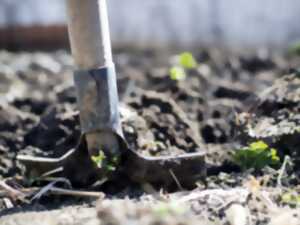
228	101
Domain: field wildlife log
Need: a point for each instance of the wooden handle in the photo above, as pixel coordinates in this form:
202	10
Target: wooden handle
89	33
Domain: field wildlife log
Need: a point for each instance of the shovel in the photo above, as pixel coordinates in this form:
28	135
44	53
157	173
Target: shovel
97	98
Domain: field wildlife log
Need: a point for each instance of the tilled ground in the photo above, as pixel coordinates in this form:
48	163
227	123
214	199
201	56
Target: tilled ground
223	104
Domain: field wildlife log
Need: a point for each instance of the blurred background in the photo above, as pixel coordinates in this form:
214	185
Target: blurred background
40	24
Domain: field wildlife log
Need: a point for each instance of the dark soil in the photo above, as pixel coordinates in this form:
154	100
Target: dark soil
221	105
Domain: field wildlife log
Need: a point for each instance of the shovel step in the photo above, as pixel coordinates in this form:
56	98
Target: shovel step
78	167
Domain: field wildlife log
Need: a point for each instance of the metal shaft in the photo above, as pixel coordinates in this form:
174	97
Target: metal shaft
91	48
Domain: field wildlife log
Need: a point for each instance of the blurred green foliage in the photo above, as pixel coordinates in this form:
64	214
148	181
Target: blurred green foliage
101	161
184	61
294	48
177	73
291	198
257	155
187	60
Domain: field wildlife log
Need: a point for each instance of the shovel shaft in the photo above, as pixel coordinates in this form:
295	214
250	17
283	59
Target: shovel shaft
95	78
89	33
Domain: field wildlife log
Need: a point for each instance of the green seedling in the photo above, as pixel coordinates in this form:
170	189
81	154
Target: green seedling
184	61
257	156
177	73
112	164
294	48
102	162
99	159
291	198
187	60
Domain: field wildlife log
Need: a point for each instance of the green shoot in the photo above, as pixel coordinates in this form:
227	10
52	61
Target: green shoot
99	159
112	165
177	73
257	155
294	48
187	60
184	61
102	162
291	198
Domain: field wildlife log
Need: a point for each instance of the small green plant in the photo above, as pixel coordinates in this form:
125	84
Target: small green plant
187	60
112	164
177	73
257	155
183	62
291	198
101	161
294	48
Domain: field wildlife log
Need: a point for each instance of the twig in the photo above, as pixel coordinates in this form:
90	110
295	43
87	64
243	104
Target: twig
49	187
100	182
62	191
176	180
51	172
59	191
282	170
35	159
11	192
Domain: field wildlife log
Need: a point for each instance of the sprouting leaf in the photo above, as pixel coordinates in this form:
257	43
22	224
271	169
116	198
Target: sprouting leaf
107	164
111	168
258	145
115	159
187	60
257	155
99	159
290	198
274	155
177	73
294	48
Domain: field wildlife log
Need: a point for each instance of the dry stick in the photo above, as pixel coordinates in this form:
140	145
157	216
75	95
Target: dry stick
51	172
11	192
48	187
176	179
282	170
29	158
22	193
62	191
25	191
59	191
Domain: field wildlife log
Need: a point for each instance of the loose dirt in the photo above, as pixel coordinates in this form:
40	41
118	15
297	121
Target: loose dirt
228	101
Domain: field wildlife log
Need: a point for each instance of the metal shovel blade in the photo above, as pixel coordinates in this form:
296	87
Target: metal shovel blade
80	169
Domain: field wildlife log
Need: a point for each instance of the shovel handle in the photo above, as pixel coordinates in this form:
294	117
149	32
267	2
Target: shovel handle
89	33
95	78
